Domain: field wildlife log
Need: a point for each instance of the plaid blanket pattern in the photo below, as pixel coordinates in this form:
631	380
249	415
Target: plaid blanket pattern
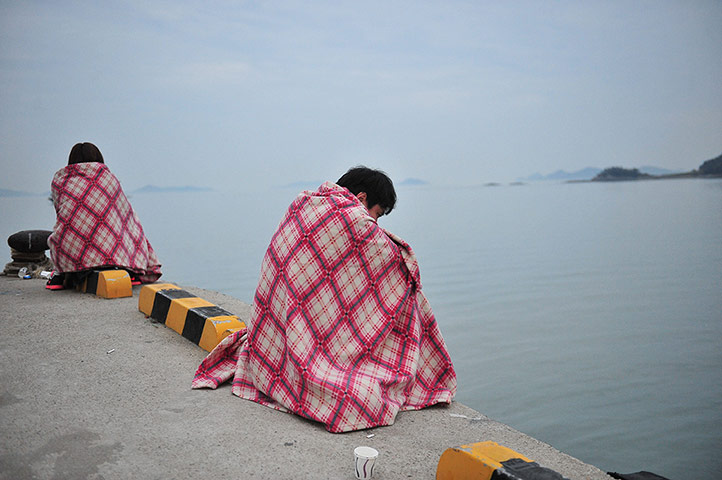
341	332
96	226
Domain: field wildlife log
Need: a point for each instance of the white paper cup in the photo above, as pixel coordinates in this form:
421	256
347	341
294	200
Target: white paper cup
365	458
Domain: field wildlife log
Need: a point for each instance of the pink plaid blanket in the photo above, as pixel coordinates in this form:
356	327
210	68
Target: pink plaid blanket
341	332
96	226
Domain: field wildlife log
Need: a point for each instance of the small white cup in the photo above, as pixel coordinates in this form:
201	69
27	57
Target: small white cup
365	458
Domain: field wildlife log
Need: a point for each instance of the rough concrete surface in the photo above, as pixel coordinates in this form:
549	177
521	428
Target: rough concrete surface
90	388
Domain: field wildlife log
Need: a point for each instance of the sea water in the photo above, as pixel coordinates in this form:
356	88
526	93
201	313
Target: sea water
587	315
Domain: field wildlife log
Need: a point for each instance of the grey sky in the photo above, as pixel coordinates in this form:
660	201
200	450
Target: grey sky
254	94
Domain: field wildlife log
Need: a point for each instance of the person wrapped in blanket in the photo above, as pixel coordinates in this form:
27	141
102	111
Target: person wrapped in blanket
341	332
96	228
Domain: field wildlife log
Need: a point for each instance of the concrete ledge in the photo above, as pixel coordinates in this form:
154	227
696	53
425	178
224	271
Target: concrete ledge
82	401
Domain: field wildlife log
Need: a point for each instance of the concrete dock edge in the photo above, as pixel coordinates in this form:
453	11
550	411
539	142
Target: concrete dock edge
91	388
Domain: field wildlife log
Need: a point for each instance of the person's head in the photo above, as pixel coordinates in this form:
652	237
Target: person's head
85	153
373	187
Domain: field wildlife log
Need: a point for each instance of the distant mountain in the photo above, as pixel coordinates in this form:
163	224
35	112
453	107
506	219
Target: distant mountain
184	189
583	174
657	171
710	169
591	172
613	174
712	166
412	182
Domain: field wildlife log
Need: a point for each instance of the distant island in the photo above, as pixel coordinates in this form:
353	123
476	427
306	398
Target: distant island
590	172
709	169
618	173
583	174
184	189
412	182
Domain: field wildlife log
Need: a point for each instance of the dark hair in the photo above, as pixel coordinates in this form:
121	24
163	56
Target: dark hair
85	153
378	186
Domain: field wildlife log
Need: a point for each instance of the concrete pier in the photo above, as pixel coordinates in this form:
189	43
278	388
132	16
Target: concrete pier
90	388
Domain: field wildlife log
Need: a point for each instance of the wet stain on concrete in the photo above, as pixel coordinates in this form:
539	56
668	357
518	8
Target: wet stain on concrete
11	292
172	410
7	398
75	455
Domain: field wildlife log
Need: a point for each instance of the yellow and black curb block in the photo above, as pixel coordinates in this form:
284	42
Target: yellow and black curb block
107	284
198	320
490	461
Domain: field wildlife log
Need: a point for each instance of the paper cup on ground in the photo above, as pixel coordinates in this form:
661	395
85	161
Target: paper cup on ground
365	458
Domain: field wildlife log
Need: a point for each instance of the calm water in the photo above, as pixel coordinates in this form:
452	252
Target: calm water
586	315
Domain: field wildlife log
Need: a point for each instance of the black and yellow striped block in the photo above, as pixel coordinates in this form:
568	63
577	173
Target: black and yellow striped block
107	284
198	320
154	299
217	328
490	461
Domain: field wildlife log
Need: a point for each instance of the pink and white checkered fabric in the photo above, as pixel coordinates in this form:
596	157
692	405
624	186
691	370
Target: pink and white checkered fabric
96	226
341	332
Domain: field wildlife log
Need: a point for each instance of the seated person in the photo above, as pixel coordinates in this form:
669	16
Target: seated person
96	228
340	332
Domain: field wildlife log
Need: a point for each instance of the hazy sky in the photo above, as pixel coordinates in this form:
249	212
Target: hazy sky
246	94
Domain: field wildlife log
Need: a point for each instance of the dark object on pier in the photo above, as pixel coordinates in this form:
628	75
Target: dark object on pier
30	241
27	248
637	476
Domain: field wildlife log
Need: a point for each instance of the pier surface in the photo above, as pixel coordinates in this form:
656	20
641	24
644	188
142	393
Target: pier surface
90	388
